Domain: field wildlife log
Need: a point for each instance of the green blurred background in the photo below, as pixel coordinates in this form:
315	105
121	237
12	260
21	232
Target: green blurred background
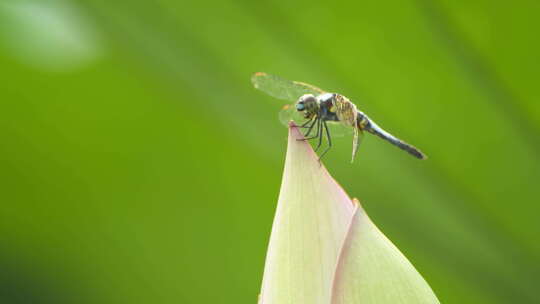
138	165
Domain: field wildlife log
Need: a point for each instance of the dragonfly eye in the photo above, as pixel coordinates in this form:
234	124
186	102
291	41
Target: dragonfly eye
305	102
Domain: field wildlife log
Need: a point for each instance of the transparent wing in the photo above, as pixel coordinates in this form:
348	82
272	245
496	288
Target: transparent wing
288	113
338	129
281	88
357	140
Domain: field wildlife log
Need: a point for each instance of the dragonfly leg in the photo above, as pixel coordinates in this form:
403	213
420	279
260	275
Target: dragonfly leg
305	123
310	128
317	120
321	135
329	141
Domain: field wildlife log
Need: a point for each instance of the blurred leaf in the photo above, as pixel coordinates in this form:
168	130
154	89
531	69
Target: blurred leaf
372	270
101	163
51	35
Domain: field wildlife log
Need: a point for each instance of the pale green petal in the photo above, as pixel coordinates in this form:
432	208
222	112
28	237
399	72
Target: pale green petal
315	226
371	270
312	218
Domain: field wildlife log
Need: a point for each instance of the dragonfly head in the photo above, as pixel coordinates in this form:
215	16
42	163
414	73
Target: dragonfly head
307	103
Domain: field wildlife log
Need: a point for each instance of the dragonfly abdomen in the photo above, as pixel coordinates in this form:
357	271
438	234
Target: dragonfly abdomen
373	128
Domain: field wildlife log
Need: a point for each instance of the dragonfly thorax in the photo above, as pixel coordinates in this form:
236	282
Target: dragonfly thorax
326	98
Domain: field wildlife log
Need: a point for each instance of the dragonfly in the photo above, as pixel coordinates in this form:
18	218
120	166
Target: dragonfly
318	109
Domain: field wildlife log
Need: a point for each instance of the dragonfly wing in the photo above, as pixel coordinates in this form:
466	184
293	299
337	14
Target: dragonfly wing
288	113
338	129
281	88
358	135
